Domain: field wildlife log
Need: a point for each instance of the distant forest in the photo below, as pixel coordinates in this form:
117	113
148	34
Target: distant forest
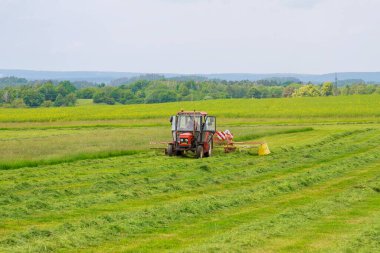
19	92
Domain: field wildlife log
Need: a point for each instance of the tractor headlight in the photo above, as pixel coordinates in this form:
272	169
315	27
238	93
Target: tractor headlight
184	140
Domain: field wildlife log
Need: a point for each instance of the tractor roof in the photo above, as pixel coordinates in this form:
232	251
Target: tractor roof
192	113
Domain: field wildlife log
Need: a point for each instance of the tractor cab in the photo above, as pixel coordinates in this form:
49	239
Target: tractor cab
192	131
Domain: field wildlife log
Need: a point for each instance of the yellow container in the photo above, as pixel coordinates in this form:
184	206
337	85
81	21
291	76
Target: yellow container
264	149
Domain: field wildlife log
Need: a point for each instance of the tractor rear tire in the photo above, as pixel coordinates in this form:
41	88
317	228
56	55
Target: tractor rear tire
170	150
199	152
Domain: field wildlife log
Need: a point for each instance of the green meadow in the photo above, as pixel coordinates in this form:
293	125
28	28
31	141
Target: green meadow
357	106
86	179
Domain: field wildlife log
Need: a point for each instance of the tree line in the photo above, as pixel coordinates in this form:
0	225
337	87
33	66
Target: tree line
42	94
65	93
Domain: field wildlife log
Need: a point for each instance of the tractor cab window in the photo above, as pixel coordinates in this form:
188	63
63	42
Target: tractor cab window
187	123
173	121
210	124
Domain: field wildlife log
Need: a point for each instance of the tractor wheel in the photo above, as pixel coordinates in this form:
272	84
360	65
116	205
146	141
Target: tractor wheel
209	152
199	152
170	150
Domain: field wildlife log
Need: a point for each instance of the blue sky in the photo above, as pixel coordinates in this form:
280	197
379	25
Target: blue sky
191	36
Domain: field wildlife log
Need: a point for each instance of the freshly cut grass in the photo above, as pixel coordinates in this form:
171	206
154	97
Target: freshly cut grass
77	184
37	144
60	143
269	133
235	202
72	158
55	144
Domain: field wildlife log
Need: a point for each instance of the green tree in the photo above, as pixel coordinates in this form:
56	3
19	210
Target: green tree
65	87
161	96
139	85
139	94
183	90
18	103
60	100
70	100
47	103
327	89
288	91
117	94
107	95
346	90
127	95
33	98
99	97
275	91
254	93
109	100
307	91
48	90
5	96
86	93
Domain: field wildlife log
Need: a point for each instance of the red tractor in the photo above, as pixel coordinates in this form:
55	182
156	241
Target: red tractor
192	131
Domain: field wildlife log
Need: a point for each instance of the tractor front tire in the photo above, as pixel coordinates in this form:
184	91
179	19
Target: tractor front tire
209	152
199	152
170	150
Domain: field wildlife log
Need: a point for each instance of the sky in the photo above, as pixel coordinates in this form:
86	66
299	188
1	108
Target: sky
191	36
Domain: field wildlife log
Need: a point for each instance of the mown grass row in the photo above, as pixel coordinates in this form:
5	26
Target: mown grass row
148	221
202	232
33	147
143	178
257	235
50	146
87	126
276	132
229	221
71	158
341	231
165	197
268	197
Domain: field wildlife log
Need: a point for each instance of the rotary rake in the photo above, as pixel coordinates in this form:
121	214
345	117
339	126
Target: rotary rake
225	140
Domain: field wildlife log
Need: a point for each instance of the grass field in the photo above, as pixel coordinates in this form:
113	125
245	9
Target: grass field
337	108
83	179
